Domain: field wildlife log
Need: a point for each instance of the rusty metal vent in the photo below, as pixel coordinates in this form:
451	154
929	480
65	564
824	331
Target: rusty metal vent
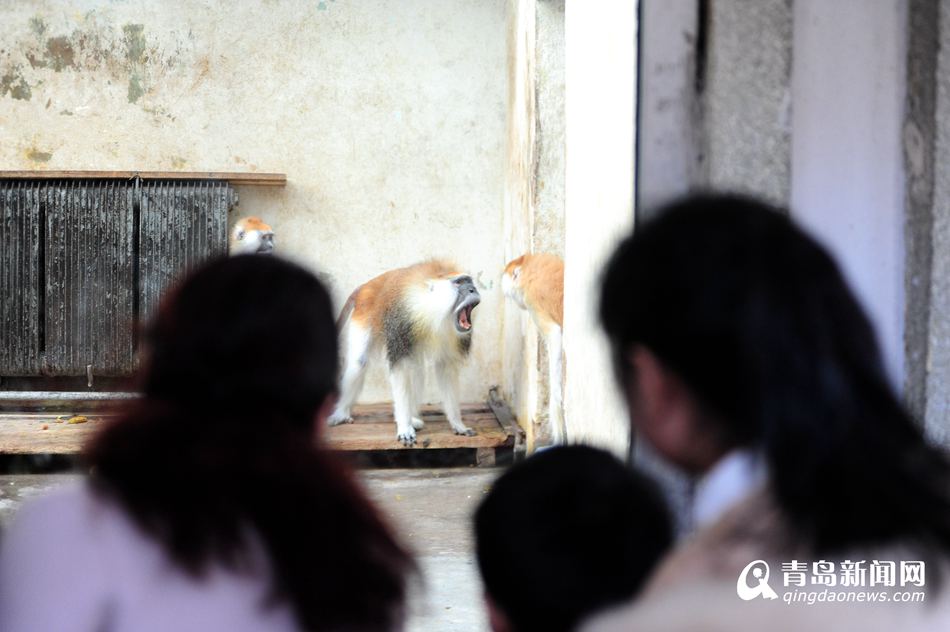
82	261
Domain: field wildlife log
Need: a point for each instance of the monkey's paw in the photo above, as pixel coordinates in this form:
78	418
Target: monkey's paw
465	432
417	423
339	418
407	437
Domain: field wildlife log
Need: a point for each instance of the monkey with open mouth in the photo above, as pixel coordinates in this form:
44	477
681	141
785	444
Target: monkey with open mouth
419	314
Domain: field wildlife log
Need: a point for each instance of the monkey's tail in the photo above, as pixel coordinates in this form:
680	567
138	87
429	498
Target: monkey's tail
347	309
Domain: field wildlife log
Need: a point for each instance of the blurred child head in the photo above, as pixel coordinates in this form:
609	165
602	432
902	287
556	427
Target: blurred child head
567	533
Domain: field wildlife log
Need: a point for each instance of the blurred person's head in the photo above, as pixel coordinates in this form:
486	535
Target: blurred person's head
566	533
731	328
250	340
238	374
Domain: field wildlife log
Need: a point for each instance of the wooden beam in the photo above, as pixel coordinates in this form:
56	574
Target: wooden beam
507	421
373	429
233	177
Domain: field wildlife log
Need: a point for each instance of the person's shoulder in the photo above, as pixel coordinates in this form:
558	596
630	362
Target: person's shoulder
685	608
753	529
72	508
59	543
713	606
69	496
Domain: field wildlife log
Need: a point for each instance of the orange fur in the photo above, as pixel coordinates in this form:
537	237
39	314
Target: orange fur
253	223
370	301
541	280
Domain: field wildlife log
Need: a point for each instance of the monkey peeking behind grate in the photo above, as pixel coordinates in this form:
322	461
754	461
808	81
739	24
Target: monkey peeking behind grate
251	236
418	314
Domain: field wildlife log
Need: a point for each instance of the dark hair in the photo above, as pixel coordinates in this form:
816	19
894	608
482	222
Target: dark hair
755	318
223	446
566	533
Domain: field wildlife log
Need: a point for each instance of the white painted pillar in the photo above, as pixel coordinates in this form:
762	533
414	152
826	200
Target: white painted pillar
600	78
847	167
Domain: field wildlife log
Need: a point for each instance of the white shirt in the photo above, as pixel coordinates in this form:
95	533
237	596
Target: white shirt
72	561
730	480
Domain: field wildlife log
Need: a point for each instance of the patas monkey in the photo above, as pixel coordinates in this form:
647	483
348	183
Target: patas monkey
417	315
536	283
251	236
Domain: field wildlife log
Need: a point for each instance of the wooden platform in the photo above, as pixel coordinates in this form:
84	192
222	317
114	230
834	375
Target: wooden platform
373	429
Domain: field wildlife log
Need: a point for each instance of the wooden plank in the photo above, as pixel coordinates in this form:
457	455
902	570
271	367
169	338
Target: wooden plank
234	177
373	429
485	457
507	421
37	433
57	402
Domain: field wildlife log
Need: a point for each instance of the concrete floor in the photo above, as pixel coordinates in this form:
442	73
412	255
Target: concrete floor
430	509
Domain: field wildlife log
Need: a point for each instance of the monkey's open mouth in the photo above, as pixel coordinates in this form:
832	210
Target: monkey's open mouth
468	301
464	318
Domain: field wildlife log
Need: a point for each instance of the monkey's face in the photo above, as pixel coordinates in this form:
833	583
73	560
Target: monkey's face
467	299
252	236
510	285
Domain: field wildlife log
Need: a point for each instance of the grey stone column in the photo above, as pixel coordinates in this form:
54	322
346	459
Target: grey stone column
932	360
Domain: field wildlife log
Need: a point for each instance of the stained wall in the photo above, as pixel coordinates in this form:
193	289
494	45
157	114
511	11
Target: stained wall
388	118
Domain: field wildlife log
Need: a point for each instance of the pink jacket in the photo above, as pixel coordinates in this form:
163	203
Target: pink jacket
72	561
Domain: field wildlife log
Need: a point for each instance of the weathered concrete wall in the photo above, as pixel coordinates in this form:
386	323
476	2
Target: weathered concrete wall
519	338
534	190
714	99
937	411
919	138
388	118
548	233
669	134
548	222
847	163
747	97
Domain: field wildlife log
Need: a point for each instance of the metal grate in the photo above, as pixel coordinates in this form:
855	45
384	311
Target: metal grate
89	278
81	261
181	225
20	278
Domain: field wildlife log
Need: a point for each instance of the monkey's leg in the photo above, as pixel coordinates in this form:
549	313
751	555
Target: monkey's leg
356	353
415	394
555	396
447	375
400	376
